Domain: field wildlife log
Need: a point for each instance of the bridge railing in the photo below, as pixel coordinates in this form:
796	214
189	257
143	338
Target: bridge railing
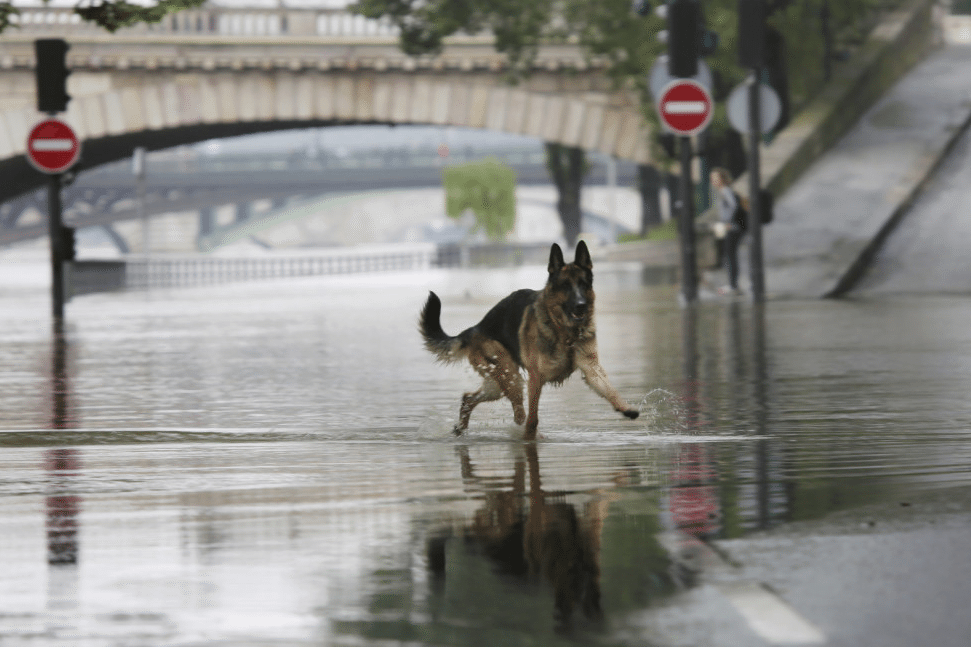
185	271
152	272
219	21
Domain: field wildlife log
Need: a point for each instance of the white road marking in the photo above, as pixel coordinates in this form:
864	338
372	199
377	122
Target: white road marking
770	617
685	107
52	144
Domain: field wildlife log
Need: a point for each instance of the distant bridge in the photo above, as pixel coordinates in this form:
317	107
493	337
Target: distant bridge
220	72
110	194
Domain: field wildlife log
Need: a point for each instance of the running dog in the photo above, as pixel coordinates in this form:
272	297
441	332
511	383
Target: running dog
550	333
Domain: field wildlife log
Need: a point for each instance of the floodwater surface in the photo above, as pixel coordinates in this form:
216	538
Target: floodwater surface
272	463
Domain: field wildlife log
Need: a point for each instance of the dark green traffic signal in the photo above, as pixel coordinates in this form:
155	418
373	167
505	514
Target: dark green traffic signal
52	75
751	33
684	18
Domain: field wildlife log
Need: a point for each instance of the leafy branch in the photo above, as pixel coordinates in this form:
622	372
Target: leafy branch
111	15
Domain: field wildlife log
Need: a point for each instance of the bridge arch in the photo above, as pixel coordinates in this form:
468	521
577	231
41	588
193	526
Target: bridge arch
159	111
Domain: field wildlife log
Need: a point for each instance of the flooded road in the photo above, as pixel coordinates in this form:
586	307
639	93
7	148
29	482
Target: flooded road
272	463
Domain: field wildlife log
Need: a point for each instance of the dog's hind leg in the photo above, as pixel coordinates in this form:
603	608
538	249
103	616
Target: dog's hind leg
503	369
512	387
488	392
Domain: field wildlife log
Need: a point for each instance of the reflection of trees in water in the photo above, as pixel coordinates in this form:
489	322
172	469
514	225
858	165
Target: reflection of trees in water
529	567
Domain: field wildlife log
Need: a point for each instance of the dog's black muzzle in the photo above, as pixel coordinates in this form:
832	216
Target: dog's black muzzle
577	306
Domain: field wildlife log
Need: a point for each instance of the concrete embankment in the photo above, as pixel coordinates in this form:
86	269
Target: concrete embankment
832	221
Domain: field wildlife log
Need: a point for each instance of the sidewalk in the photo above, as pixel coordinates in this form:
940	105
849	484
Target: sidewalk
829	222
894	574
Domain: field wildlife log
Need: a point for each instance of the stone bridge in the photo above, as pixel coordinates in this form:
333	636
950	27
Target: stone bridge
221	72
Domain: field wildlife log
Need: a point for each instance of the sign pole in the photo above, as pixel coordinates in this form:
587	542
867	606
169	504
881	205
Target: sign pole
56	234
53	148
756	269
685	108
686	225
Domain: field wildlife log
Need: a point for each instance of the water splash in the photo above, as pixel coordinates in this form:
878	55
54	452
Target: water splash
665	411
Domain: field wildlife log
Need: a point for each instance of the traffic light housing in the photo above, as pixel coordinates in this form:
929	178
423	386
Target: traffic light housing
684	19
52	75
751	33
70	243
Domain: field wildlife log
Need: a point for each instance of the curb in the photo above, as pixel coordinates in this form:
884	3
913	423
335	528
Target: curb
923	172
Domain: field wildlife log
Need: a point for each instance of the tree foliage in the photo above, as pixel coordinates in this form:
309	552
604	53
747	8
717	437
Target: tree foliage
488	189
610	31
112	15
517	26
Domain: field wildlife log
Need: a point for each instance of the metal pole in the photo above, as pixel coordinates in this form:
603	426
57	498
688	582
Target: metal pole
138	170
689	280
55	232
756	269
612	189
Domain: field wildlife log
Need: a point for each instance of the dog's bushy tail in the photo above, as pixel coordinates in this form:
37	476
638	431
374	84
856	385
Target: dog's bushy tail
445	347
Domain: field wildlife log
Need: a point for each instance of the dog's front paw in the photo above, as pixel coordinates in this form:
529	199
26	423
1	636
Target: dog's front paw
631	413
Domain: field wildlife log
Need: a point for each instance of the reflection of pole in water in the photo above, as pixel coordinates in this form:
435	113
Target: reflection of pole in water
689	348
61	464
61	417
693	497
62	508
760	380
750	371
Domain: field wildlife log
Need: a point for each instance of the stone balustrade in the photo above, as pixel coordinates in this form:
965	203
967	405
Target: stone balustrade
219	21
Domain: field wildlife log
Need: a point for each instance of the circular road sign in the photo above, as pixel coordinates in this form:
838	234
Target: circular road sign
685	107
770	108
52	146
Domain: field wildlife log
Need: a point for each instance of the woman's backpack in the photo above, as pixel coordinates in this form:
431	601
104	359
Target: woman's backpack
766	202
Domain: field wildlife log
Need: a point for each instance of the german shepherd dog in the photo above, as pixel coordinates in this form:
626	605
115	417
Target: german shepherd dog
550	333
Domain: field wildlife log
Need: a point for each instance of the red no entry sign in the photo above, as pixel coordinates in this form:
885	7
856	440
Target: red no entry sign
52	146
685	107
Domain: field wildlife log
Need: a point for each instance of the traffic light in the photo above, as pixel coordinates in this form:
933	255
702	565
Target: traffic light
52	75
70	243
707	41
751	33
684	19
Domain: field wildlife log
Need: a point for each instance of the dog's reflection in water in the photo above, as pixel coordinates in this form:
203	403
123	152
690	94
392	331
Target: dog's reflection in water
535	536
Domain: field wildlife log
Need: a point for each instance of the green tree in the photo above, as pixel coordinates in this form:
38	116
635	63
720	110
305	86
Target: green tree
518	26
488	189
111	14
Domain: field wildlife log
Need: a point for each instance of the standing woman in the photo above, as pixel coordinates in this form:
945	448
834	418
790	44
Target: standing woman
730	222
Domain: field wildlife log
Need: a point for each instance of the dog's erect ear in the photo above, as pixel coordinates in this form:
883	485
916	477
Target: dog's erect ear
583	256
556	258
